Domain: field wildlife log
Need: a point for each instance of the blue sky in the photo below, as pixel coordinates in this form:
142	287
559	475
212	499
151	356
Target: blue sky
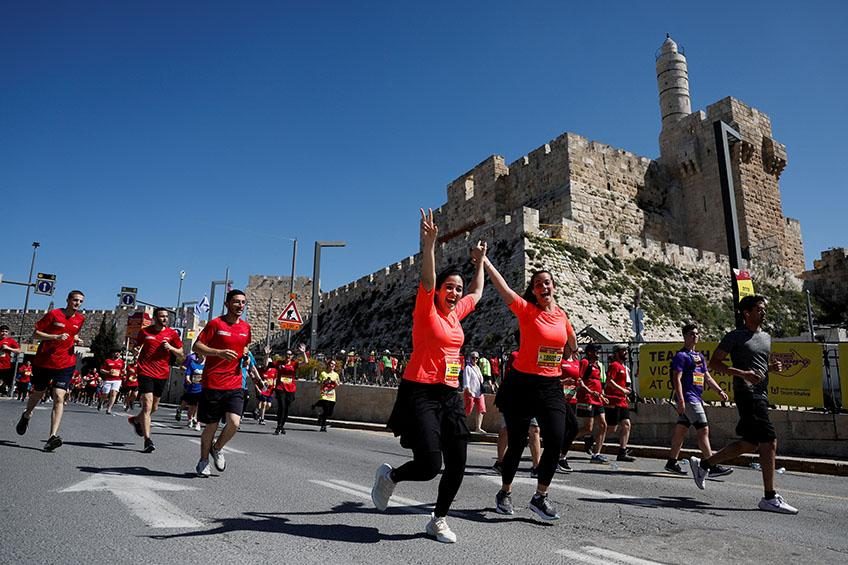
142	138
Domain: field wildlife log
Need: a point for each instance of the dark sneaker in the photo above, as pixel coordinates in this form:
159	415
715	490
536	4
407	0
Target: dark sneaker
133	421
777	504
323	428
498	467
218	458
23	423
698	473
719	471
53	443
588	444
179	415
675	468
626	458
534	472
503	503
598	459
563	466
148	446
543	508
276	432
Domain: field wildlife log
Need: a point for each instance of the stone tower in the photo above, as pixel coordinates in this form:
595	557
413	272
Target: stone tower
673	85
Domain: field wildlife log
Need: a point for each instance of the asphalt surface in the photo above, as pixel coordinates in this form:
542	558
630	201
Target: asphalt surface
305	498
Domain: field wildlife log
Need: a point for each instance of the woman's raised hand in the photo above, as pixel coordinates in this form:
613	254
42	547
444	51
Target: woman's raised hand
429	229
478	252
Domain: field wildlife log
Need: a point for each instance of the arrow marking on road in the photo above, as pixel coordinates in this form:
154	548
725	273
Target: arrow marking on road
605	556
139	496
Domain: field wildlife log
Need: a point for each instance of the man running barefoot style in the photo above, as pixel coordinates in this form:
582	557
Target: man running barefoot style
54	361
155	344
112	371
223	342
749	348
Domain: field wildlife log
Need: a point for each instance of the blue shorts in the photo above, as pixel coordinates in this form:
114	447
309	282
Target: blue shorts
42	376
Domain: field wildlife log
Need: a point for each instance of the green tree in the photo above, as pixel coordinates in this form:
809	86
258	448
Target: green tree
105	340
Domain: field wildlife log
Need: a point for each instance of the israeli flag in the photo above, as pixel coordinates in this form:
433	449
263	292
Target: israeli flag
201	307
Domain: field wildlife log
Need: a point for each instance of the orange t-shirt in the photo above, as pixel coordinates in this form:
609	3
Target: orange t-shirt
436	339
543	337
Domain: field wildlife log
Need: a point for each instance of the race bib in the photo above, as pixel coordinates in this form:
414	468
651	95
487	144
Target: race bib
549	357
453	367
115	372
569	391
698	378
196	377
287	380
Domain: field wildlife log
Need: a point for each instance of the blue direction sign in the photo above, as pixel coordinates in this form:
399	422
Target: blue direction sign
45	284
127	296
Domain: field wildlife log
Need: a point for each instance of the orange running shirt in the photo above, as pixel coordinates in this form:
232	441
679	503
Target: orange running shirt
543	337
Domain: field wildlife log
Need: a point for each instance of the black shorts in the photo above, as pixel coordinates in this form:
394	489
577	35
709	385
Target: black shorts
7	376
215	403
589	410
616	415
191	398
149	384
41	377
424	413
754	424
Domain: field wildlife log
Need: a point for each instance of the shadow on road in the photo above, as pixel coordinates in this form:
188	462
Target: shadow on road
140	471
7	443
118	446
678	502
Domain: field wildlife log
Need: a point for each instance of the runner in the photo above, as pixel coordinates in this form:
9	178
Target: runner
8	347
223	342
472	391
91	383
689	375
77	387
154	346
112	371
24	376
328	382
54	361
193	387
286	386
590	404
428	414
532	388
131	383
570	376
749	348
266	395
617	390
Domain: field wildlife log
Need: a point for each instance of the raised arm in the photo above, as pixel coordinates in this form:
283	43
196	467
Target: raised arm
478	253
509	296
429	233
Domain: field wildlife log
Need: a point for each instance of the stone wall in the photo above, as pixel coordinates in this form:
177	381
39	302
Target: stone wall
828	280
12	318
263	290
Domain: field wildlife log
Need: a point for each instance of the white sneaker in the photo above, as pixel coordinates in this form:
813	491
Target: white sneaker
697	473
203	469
218	458
777	504
383	487
197	426
438	528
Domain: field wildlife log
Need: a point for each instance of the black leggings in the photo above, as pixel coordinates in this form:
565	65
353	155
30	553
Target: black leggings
326	411
527	396
571	428
284	400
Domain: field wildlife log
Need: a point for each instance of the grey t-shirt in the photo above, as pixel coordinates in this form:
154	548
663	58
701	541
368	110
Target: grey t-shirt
748	351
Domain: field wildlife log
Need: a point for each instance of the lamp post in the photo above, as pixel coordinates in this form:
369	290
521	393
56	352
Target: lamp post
316	288
179	297
724	134
35	246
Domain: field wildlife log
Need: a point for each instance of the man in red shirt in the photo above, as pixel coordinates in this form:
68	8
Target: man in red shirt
155	344
131	384
223	342
617	389
112	371
8	347
55	360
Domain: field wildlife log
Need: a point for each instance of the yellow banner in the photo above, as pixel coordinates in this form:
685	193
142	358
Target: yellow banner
843	372
799	383
655	370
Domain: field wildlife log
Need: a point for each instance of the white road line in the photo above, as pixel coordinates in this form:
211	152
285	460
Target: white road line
583	558
226	448
614	555
409	506
567	488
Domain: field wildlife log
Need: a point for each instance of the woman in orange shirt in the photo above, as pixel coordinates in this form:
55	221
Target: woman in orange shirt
429	415
532	387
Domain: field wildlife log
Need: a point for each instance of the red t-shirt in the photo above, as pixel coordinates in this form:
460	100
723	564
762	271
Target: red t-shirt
58	354
25	372
220	373
570	369
153	359
591	379
288	376
436	339
5	356
131	379
543	337
113	368
617	372
76	381
270	378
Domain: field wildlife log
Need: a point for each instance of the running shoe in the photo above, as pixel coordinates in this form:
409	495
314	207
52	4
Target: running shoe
133	421
23	423
323	428
179	415
203	469
52	443
675	468
588	444
598	458
197	426
503	503
563	466
719	471
626	458
698	473
261	421
148	446
109	412
383	487
498	467
534	472
777	504
438	528
543	508
218	458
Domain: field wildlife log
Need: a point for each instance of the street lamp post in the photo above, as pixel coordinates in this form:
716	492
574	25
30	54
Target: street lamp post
179	297
723	136
35	246
316	288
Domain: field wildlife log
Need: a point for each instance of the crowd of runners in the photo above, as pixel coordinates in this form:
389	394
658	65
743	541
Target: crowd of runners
550	393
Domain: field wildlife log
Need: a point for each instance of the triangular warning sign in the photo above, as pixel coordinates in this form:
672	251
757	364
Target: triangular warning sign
290	315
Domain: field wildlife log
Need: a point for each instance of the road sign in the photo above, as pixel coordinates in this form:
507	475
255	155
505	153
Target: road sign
127	296
45	284
290	318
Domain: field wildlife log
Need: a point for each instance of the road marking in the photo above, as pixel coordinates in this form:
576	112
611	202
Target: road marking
403	504
605	556
139	496
567	488
225	450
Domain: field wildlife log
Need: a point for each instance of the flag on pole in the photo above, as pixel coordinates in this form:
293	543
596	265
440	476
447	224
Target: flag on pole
201	307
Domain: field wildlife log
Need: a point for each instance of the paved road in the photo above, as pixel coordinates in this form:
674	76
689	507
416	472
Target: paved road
305	498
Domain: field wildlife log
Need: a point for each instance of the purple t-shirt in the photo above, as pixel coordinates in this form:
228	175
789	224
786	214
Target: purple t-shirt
693	367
